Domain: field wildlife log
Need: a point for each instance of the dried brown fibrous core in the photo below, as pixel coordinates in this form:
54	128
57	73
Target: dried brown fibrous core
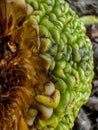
21	73
12	15
8	77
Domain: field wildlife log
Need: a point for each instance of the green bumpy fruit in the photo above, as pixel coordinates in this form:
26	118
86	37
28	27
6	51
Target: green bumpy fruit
63	40
46	65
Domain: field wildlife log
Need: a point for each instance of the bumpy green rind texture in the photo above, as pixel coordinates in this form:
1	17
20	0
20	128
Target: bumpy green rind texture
69	52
